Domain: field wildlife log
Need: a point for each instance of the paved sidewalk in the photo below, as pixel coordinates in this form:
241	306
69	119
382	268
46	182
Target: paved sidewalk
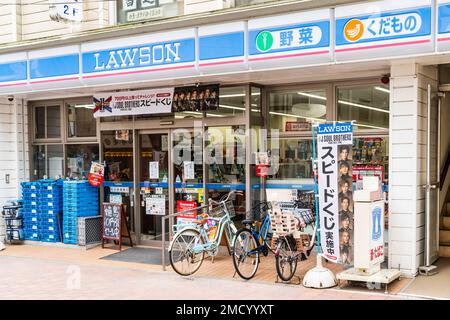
34	278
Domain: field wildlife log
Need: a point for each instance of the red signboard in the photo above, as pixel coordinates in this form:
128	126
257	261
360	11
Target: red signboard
96	174
262	170
183	205
297	126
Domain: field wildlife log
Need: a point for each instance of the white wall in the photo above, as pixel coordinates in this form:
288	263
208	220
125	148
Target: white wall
13	152
408	121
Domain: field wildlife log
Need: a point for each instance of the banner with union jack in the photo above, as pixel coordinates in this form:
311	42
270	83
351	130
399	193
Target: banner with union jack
154	101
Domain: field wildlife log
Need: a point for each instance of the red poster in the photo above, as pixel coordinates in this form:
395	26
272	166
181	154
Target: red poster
262	170
96	174
183	205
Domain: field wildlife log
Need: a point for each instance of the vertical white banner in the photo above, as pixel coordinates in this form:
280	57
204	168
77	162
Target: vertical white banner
331	137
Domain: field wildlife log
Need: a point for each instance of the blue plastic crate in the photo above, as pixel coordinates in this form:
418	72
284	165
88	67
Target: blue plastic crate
32	236
31	220
50	238
50	205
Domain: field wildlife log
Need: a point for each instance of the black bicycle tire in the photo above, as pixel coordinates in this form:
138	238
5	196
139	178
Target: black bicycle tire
236	268
172	263
277	264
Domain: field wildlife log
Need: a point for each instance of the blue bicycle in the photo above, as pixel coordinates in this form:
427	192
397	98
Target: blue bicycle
249	243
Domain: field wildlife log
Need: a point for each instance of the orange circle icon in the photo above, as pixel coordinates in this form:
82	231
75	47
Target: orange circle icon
353	30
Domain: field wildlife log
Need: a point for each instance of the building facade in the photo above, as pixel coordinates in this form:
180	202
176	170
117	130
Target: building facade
277	65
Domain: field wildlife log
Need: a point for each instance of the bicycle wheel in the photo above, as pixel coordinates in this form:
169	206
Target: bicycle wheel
183	258
285	260
245	254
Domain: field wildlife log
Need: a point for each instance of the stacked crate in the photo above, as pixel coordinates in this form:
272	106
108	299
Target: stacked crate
80	200
30	196
50	209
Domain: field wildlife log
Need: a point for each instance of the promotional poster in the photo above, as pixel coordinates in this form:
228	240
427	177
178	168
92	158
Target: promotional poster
336	191
201	98
154	101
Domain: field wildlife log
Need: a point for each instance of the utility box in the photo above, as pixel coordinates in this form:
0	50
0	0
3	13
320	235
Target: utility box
369	227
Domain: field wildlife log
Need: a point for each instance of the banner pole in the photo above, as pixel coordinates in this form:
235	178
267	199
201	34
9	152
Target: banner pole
318	277
316	190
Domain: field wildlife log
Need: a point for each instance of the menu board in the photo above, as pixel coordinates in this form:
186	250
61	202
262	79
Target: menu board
112	214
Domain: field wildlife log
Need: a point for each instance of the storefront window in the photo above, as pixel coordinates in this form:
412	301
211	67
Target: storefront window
291	160
231	103
48	161
367	106
292	110
47	122
81	122
118	155
79	159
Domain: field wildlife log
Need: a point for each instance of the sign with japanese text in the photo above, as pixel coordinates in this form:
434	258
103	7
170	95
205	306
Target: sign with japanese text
443	27
155	205
382	28
133	102
297	126
334	142
96	174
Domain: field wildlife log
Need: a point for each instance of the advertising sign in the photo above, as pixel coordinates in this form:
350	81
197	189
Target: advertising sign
196	98
133	102
334	141
96	174
367	31
297	126
155	205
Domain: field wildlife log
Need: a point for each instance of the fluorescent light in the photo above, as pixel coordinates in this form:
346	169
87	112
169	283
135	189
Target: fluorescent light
368	126
383	89
309	95
87	106
233	95
295	116
362	106
231	107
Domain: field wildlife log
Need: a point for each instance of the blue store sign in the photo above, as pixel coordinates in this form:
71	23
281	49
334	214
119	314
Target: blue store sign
155	54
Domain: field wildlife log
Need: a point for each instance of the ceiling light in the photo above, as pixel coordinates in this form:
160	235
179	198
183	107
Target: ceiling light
309	95
368	126
362	106
231	107
295	116
383	89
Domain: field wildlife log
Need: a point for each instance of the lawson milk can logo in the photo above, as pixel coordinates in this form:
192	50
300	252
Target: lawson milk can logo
288	39
376	223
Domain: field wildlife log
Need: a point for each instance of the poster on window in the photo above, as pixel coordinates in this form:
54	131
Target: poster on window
96	174
189	171
155	205
154	101
154	169
334	143
196	98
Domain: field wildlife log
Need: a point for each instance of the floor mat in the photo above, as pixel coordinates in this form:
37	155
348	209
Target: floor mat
436	286
139	255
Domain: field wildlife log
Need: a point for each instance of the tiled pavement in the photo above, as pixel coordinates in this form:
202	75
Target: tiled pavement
28	272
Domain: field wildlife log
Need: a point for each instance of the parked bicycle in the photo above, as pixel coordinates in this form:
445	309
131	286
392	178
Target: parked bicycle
187	249
288	249
250	242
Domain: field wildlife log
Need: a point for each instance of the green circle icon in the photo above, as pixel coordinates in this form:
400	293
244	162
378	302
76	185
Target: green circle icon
264	41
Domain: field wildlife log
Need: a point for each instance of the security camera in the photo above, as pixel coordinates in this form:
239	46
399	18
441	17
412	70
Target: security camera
10	98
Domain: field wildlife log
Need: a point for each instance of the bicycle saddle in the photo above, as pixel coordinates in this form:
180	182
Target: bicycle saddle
247	221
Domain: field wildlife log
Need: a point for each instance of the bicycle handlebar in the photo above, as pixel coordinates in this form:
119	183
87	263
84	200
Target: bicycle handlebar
227	197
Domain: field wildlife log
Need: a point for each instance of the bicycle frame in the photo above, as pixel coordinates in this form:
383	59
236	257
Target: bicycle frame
209	244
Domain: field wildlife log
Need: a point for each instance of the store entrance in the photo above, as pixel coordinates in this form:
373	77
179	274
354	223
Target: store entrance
170	179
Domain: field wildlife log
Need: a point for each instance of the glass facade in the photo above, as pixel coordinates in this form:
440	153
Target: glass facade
287	109
81	123
367	106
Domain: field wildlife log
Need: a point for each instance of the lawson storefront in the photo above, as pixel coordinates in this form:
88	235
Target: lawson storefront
272	77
